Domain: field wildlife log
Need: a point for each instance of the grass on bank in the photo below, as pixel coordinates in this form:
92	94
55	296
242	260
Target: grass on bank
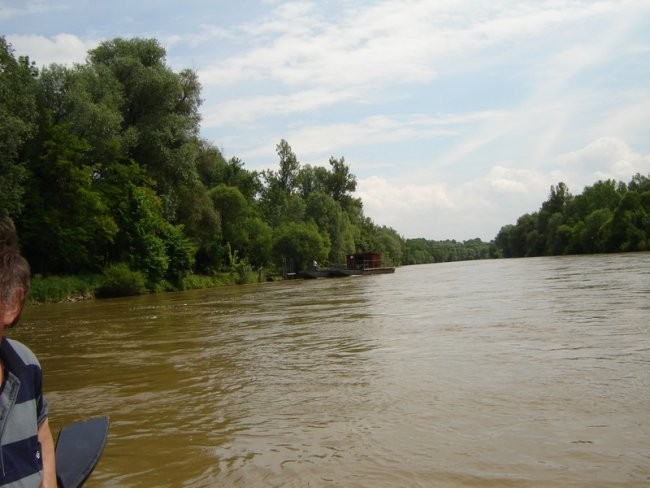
62	288
120	281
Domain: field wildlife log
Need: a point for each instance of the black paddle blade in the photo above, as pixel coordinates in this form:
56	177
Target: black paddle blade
78	449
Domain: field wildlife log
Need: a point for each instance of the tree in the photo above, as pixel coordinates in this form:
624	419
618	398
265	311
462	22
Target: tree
626	230
330	219
558	199
600	195
149	243
201	224
17	123
180	252
543	238
526	236
591	233
312	178
391	245
557	235
209	164
639	183
277	206
341	182
289	167
233	208
301	243
214	170
258	243
159	110
69	226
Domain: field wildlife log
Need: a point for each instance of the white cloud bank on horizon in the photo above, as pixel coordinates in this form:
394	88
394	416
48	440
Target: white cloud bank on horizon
502	195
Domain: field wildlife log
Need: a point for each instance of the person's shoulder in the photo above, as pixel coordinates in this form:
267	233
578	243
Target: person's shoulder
24	352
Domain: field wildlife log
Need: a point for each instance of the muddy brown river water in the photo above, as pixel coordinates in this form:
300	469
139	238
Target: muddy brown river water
523	373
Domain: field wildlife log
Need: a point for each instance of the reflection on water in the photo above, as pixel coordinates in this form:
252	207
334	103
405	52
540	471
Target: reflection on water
529	372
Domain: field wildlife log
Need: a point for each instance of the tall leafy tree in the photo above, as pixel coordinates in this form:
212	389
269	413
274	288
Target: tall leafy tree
601	195
342	183
639	183
311	179
159	110
201	223
68	227
18	117
257	245
626	229
330	218
301	243
391	245
233	208
589	233
279	201
289	167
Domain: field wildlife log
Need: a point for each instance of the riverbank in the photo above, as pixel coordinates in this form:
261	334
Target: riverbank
59	289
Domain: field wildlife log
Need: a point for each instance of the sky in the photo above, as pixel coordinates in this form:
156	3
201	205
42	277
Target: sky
456	117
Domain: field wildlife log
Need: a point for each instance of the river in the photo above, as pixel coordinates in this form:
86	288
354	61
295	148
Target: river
521	372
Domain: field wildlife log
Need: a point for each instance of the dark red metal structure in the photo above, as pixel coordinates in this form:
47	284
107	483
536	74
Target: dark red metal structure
366	260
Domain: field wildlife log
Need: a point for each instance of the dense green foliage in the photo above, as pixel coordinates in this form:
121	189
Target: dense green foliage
608	216
17	125
105	174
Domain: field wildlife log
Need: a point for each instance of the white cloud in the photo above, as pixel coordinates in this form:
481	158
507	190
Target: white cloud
512	181
390	42
350	55
604	158
382	195
247	110
411	209
61	49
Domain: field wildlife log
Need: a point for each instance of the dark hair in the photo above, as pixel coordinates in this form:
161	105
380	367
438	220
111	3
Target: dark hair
14	269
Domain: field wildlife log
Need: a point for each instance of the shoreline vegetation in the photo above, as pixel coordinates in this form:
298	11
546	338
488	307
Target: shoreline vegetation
114	192
62	289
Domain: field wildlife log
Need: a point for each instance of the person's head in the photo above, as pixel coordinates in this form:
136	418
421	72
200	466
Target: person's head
14	275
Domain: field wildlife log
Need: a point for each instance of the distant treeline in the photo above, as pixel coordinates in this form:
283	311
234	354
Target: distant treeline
422	251
608	216
104	171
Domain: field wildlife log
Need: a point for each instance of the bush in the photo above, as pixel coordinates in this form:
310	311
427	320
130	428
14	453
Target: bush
121	281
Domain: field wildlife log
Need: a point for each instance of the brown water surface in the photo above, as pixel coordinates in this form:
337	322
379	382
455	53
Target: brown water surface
530	372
